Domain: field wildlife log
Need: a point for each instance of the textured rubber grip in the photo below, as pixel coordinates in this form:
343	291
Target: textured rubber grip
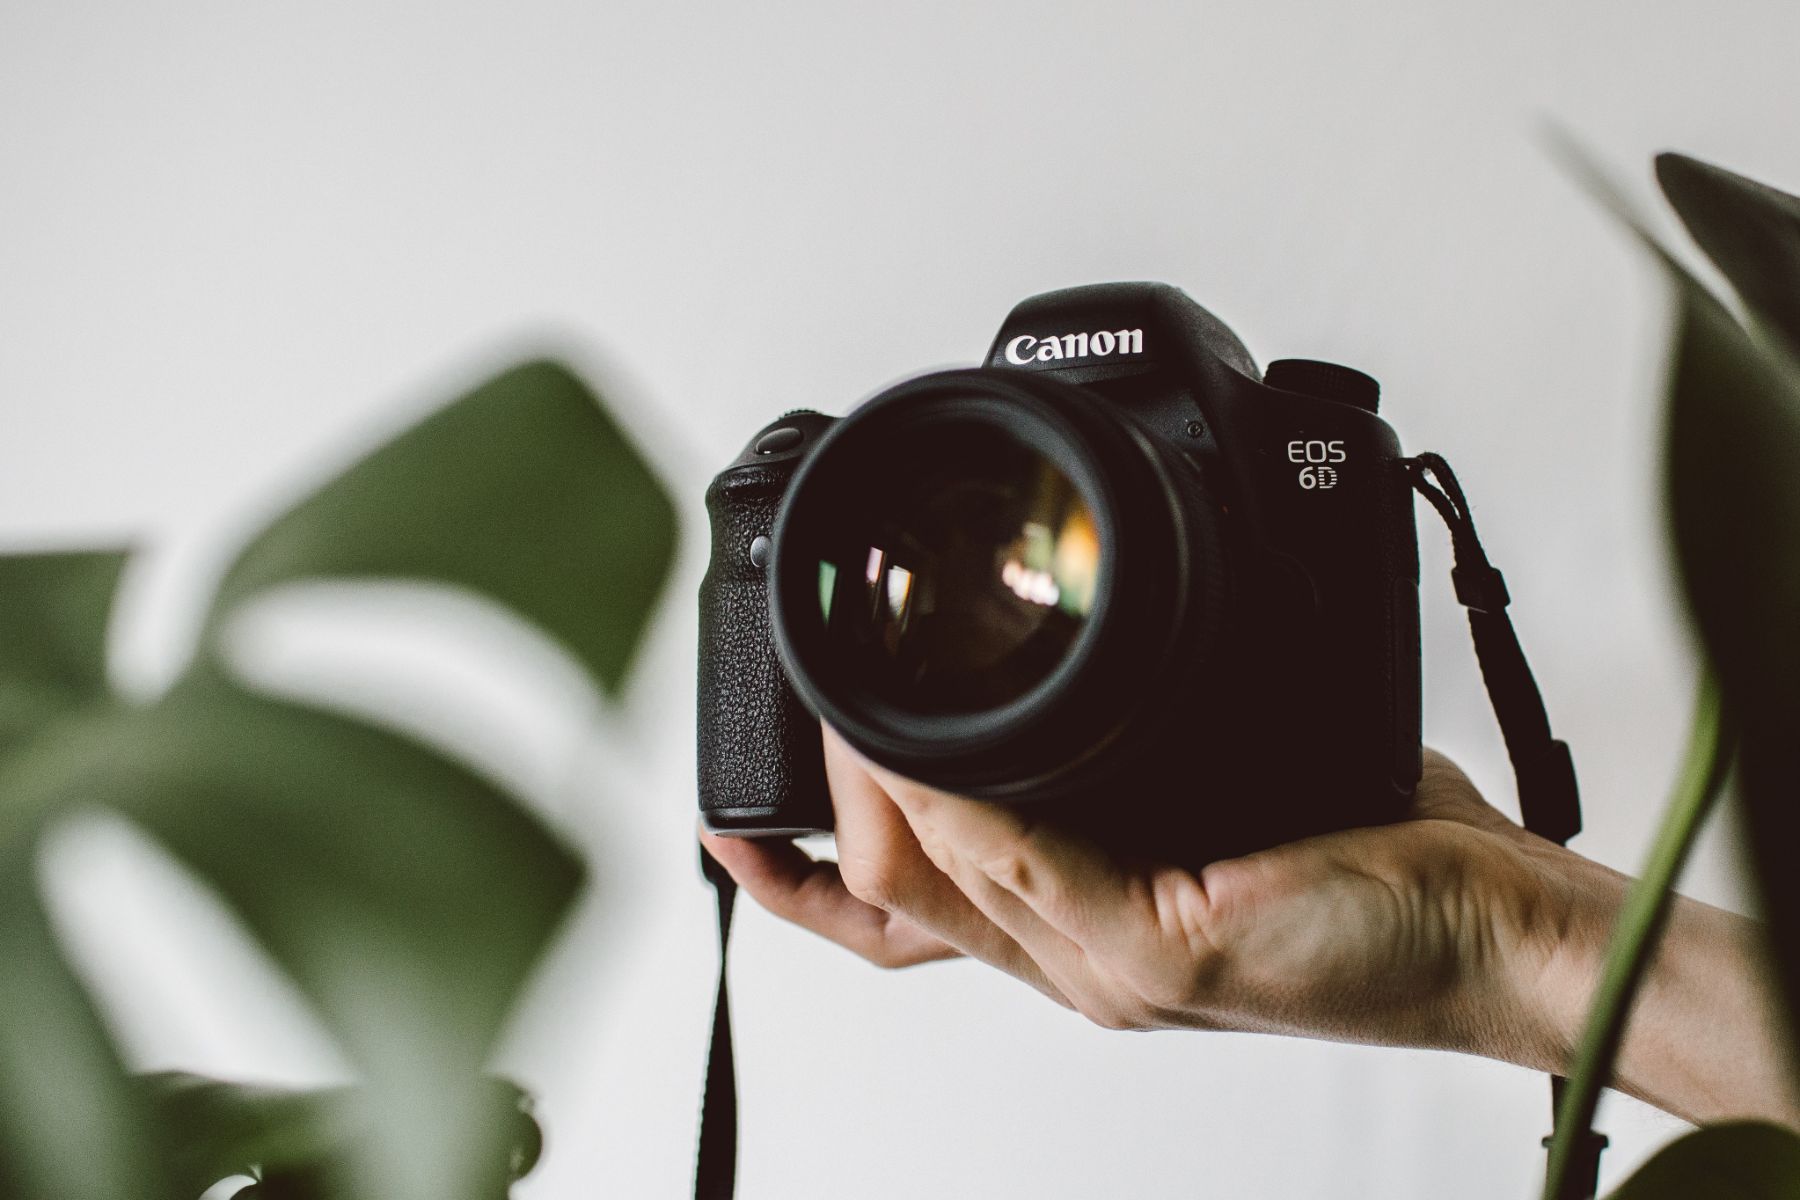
761	764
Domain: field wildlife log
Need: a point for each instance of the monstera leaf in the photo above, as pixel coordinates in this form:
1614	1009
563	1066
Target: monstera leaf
64	602
525	492
69	1124
407	896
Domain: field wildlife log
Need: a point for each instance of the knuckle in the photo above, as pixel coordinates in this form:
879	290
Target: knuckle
1113	1013
933	846
1010	863
1008	869
887	958
883	957
872	881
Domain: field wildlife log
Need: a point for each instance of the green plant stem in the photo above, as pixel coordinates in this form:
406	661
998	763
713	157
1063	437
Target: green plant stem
1639	927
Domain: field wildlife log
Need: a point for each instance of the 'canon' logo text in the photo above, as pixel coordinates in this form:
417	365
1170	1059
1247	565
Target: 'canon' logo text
1026	349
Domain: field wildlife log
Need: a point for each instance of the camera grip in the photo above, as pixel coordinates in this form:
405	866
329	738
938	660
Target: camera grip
760	759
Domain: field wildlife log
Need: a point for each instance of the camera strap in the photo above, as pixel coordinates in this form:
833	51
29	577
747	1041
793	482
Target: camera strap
715	1168
1549	806
1549	801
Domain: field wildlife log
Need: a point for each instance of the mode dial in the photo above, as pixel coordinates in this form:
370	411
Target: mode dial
1327	381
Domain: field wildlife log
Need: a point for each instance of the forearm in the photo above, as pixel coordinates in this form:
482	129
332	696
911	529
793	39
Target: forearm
1705	1039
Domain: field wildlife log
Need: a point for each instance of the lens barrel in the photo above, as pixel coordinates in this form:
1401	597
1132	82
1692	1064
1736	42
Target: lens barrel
997	583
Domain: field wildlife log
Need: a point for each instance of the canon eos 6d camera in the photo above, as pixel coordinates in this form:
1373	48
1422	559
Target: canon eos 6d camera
1116	574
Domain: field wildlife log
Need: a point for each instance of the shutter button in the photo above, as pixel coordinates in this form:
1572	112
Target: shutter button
777	440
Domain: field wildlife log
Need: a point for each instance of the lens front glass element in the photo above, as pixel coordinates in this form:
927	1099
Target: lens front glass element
961	572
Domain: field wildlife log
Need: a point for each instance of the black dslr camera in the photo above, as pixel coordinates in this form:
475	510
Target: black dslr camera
1116	574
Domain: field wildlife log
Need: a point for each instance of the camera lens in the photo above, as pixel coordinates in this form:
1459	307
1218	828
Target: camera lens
962	572
995	582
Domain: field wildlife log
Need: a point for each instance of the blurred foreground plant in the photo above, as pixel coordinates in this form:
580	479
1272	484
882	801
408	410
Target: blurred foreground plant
407	896
1732	481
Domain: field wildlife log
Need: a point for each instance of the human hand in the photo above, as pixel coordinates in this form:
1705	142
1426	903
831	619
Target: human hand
1438	930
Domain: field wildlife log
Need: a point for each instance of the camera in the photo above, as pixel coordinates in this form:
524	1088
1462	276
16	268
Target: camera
1116	575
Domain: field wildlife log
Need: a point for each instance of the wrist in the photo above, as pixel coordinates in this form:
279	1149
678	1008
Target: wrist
1555	936
1707	1039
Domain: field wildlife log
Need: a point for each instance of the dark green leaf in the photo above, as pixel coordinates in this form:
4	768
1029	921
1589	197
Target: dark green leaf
1738	1161
1732	470
406	896
213	1130
54	610
284	1187
1733	464
523	491
65	1121
1751	230
302	1185
68	1126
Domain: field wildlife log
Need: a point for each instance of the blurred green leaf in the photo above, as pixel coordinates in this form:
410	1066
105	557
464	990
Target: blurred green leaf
405	895
214	1130
54	609
1744	1160
523	491
68	1127
1733	472
295	1186
1750	230
292	1140
65	1123
1733	469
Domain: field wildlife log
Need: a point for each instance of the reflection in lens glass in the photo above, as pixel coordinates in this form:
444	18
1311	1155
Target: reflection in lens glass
962	573
827	585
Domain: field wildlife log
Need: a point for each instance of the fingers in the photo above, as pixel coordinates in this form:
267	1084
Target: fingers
783	879
1076	888
1063	963
1253	942
884	865
1120	944
884	899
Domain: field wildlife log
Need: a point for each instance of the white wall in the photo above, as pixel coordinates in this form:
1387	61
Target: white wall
236	238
